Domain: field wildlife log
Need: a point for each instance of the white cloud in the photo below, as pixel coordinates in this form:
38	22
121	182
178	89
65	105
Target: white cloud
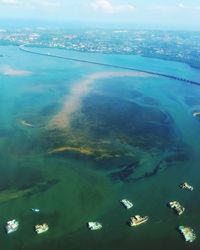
181	5
32	3
177	7
9	2
188	7
51	4
108	7
162	8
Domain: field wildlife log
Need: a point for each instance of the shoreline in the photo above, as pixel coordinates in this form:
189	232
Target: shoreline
89	52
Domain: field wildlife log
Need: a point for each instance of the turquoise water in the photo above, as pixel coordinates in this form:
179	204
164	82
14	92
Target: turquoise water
145	122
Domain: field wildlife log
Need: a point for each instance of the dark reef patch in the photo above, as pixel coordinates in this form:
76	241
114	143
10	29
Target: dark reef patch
192	100
125	172
149	101
49	110
21	182
162	164
123	131
4	133
136	125
19	177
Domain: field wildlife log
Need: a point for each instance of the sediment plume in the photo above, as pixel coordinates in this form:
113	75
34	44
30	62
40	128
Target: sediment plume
80	89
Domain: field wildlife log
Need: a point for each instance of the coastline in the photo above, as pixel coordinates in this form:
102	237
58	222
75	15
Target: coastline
190	64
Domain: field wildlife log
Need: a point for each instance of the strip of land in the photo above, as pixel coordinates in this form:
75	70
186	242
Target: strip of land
85	151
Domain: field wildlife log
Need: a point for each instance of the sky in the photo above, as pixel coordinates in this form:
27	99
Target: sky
132	13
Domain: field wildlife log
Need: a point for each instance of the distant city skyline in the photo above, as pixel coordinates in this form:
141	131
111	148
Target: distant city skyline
139	13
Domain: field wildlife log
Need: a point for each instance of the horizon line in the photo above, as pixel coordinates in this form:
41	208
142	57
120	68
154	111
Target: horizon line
87	24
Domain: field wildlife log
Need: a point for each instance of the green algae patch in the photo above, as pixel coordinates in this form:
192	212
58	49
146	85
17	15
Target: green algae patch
81	150
11	194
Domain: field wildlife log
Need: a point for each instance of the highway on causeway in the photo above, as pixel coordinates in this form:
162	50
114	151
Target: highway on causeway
25	49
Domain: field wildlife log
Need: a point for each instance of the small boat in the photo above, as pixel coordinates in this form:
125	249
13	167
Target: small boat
41	228
196	114
137	220
35	210
188	233
94	225
12	226
25	123
187	186
177	207
127	203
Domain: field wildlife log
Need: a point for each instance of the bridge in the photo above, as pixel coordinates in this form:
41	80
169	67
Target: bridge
25	49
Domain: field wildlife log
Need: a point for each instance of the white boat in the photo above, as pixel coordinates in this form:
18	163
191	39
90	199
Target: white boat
137	220
127	203
41	228
94	225
187	186
188	233
177	207
35	210
12	226
196	114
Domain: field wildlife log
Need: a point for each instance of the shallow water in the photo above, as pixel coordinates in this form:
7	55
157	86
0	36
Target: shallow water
145	123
